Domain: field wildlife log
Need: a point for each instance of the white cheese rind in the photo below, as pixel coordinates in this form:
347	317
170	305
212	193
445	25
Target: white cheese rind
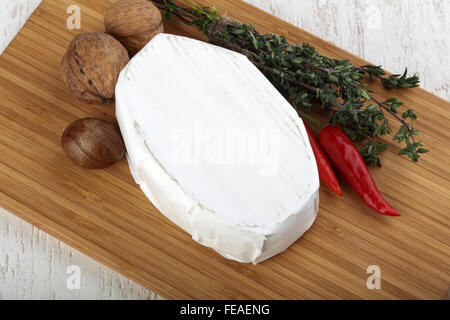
245	211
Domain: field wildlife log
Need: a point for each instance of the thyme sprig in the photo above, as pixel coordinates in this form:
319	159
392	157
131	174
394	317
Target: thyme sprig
312	81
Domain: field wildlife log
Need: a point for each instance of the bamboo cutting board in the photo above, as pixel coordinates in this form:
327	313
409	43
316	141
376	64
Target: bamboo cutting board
105	215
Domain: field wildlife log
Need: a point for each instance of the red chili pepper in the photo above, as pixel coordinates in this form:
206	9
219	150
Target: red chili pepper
344	155
326	172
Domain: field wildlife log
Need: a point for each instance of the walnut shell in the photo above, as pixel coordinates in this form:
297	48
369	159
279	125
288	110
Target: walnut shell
91	66
93	143
134	23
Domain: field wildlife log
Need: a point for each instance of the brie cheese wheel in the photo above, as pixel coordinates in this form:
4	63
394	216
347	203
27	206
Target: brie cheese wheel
216	148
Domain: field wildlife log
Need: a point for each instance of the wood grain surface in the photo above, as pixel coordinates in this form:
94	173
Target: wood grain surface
105	215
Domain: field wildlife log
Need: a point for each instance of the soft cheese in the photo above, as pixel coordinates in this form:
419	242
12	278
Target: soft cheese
216	148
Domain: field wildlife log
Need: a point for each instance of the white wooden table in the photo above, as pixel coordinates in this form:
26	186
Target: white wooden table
395	34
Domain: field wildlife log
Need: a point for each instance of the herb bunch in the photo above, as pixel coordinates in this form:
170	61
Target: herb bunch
309	80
